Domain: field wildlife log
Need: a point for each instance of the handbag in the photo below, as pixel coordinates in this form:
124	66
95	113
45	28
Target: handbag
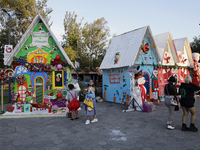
173	100
176	108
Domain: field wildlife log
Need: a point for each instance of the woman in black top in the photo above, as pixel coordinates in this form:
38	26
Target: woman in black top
170	92
186	91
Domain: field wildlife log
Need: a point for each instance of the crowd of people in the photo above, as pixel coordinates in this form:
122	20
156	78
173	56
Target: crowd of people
184	98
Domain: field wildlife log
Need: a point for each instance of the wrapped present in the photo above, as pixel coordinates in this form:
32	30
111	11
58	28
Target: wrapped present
18	108
10	108
27	108
148	107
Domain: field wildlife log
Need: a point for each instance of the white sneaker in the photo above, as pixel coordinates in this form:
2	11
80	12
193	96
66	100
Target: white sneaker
170	127
94	120
87	122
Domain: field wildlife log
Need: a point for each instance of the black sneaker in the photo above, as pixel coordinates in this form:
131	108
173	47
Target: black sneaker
77	118
72	119
193	128
185	128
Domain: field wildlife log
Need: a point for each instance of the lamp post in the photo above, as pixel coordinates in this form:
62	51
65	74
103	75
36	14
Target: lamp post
9	89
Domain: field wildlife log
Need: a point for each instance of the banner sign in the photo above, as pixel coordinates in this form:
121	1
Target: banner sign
7	52
40	39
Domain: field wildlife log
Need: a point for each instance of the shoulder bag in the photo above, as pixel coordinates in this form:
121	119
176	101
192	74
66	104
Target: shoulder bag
173	100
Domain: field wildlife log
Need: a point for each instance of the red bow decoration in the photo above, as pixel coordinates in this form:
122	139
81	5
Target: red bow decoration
183	60
167	59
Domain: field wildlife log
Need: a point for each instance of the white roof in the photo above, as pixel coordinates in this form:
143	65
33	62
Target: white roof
128	45
27	34
180	44
161	43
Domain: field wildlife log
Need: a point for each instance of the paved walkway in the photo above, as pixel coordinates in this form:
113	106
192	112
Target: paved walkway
114	131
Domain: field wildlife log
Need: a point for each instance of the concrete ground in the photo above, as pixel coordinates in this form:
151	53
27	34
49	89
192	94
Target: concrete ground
114	131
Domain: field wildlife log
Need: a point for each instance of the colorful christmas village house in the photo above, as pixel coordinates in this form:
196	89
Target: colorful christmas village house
134	48
186	62
174	60
169	59
41	69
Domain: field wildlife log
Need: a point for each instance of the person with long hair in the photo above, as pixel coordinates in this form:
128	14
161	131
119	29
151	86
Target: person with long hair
187	101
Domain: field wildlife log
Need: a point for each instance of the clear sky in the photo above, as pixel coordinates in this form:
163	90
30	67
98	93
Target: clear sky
180	17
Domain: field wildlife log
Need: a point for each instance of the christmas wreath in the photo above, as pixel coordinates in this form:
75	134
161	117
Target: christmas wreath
21	79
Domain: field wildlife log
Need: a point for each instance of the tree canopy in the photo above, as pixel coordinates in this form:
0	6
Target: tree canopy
22	13
195	45
88	42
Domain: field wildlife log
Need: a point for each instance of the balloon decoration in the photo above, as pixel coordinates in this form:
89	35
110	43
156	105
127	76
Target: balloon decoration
58	57
59	95
59	66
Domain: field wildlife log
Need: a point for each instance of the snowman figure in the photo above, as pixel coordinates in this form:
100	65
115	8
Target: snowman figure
139	89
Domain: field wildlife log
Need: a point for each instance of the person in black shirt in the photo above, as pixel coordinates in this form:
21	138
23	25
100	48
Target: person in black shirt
186	91
170	92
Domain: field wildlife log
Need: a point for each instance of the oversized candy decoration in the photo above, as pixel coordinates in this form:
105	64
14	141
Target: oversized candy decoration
58	57
59	66
59	95
26	47
54	48
51	52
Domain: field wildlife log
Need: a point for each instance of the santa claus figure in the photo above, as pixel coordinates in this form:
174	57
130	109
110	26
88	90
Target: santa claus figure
29	94
196	71
155	85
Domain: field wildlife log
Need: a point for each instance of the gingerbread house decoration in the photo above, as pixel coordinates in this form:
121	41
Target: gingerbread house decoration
169	59
185	58
39	62
136	47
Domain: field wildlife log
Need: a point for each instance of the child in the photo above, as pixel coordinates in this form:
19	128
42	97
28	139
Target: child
73	102
90	103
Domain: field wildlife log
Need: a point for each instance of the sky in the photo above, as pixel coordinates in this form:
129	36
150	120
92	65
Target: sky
180	17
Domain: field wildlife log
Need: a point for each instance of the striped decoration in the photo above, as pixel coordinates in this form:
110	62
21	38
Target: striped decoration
39	90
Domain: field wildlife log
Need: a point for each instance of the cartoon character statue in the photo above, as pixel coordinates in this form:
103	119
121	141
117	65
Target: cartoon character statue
141	81
29	94
155	85
117	56
196	71
135	88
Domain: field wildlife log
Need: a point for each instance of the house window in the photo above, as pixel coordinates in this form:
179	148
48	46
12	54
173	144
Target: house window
114	78
42	60
35	60
22	90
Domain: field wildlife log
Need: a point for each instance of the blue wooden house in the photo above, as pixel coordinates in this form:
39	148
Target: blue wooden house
136	47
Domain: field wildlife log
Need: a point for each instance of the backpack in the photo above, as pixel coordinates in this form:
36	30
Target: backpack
74	104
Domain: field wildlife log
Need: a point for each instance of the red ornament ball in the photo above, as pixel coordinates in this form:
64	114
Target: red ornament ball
58	57
59	95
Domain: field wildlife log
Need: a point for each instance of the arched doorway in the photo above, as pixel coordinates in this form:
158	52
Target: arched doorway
39	89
